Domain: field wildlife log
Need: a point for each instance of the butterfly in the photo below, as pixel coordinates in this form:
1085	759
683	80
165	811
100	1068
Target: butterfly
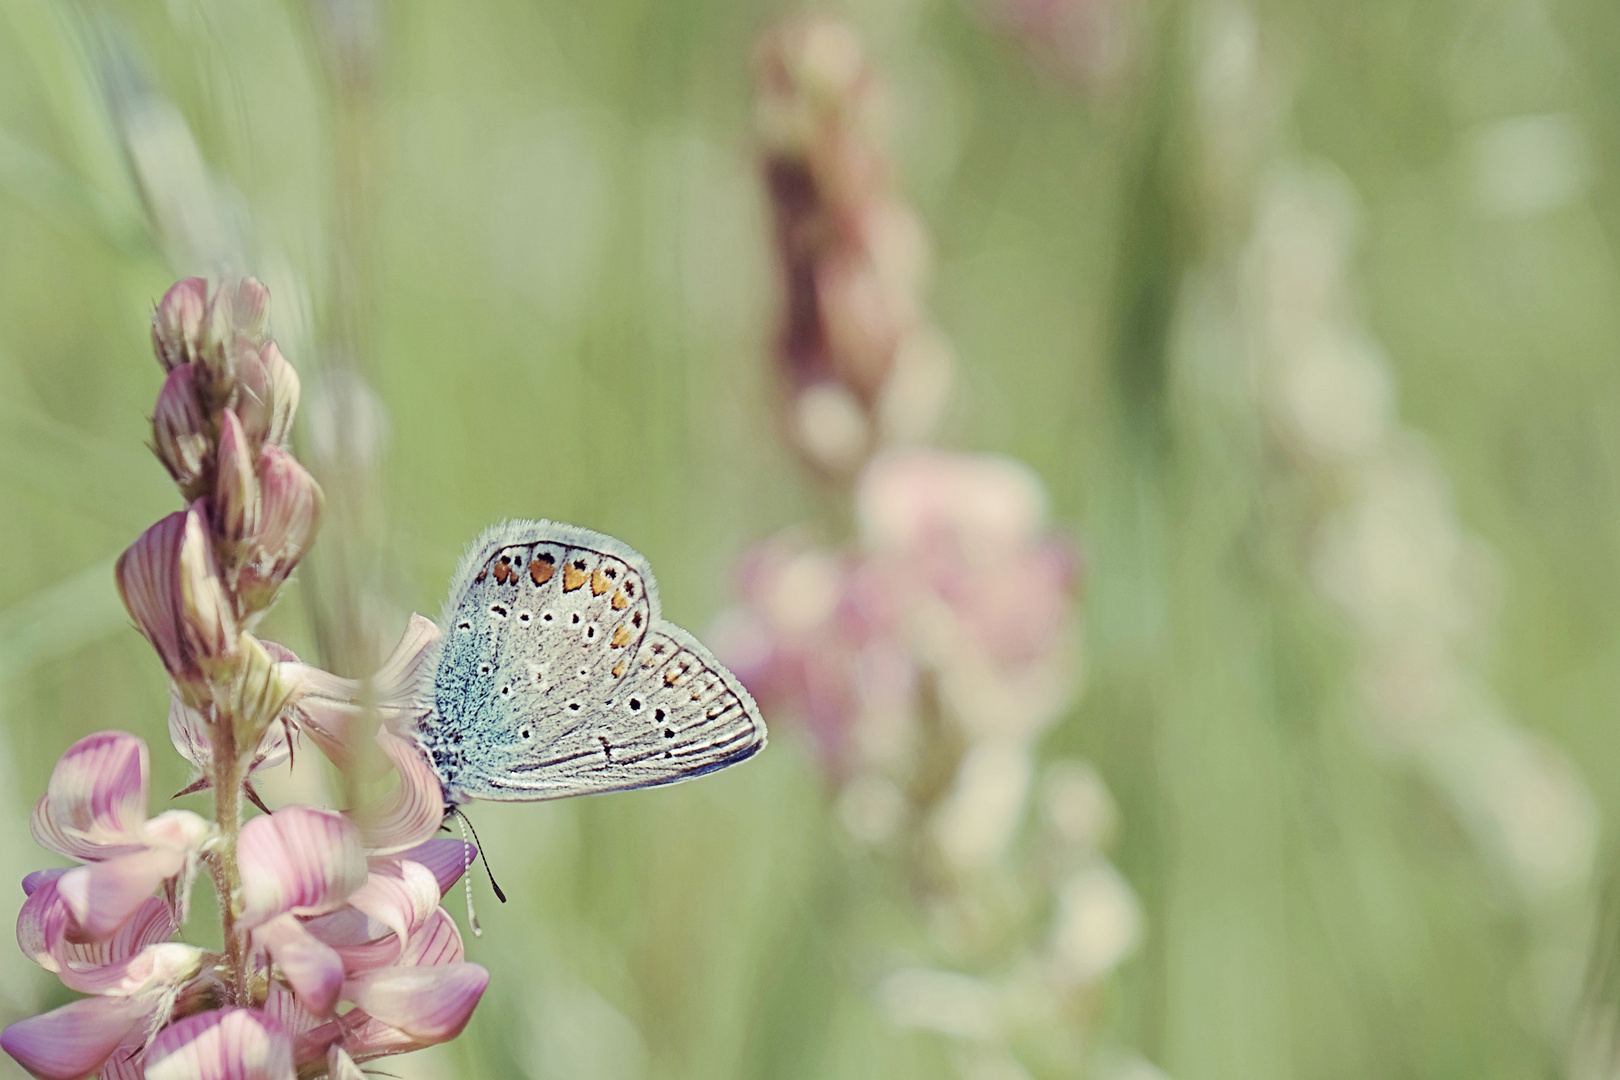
557	675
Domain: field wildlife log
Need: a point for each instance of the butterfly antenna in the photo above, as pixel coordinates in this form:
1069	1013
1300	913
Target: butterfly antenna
493	884
466	878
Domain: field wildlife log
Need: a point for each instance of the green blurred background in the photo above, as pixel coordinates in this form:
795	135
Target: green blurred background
537	231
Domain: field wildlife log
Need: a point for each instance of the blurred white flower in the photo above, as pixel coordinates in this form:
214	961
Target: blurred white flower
1099	923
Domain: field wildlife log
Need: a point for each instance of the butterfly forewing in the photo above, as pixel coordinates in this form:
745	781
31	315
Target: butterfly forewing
558	677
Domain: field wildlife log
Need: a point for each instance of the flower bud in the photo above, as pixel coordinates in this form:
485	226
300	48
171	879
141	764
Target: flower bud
289	510
217	348
179	429
258	693
250	307
267	393
236	489
169	582
177	322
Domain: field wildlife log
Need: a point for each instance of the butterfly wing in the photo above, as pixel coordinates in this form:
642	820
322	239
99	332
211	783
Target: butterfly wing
558	677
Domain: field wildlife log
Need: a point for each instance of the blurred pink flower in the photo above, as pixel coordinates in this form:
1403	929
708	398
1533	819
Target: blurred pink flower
1088	41
956	577
986	591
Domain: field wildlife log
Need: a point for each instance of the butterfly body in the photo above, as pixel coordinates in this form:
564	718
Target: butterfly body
557	676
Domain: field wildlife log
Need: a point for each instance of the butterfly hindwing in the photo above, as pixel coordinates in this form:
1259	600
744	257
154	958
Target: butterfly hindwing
559	678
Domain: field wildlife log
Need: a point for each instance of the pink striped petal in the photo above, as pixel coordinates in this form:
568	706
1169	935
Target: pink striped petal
95	802
445	856
400	895
429	1004
300	860
128	1062
156	967
328	705
102	896
362	942
152	922
45	924
312	967
340	1066
402	681
436	944
413	811
227	1044
281	1005
72	1042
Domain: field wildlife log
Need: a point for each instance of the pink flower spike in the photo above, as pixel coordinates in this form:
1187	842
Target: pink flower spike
73	1042
413	811
95	802
311	967
429	1004
299	860
227	1044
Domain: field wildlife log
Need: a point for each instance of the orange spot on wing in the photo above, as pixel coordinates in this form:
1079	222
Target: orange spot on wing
618	669
572	578
621	637
620	601
600	583
482	574
502	572
540	571
671	677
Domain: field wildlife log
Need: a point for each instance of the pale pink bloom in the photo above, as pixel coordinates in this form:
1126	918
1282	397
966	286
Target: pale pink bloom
94	810
170	583
137	973
226	1044
402	961
299	862
425	998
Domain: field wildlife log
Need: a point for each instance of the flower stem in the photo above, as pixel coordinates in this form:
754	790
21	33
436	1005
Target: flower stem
227	783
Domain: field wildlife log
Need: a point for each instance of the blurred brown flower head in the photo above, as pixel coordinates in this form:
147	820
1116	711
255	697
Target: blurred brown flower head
859	364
